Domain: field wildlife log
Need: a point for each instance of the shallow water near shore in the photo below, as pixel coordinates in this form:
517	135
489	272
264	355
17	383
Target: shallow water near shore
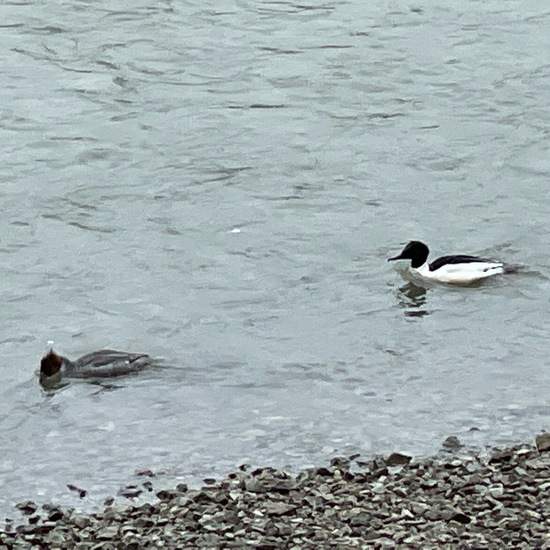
221	187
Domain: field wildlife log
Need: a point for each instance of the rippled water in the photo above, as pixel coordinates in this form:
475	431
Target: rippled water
220	186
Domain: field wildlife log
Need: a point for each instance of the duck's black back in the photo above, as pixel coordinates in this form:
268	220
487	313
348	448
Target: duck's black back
460	259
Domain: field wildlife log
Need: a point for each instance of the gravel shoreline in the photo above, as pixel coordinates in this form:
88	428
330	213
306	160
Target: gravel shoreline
499	499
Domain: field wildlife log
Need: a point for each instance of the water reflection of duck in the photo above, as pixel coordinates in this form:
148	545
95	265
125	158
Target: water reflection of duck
415	294
460	269
98	364
413	300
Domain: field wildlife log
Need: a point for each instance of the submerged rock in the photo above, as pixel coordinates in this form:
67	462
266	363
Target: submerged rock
28	507
452	443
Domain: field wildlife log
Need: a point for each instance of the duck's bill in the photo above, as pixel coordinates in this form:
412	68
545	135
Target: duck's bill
393	258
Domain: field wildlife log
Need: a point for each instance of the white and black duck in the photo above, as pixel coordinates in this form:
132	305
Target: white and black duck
458	269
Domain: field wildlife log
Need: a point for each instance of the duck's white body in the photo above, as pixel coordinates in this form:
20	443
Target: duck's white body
460	273
459	269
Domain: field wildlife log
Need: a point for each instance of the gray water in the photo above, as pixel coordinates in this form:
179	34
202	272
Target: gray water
220	185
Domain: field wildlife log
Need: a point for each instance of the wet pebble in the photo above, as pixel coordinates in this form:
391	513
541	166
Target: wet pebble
28	507
452	443
81	492
397	459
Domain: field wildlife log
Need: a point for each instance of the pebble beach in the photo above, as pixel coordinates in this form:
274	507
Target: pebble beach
499	498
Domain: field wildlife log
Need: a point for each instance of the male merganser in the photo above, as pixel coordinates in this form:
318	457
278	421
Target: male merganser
459	269
99	364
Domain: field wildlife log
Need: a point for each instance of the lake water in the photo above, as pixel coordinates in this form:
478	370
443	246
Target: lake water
220	185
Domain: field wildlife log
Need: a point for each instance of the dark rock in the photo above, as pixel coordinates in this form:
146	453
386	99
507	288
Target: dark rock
148	486
28	507
543	442
501	456
361	520
55	514
169	494
460	518
397	459
130	491
340	462
81	492
145	473
452	443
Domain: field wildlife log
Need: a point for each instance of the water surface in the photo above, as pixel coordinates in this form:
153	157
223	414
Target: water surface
220	186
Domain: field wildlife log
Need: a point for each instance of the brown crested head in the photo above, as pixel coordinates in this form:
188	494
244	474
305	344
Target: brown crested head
50	364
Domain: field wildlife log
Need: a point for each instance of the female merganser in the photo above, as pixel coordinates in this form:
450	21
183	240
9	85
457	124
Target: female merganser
460	269
99	364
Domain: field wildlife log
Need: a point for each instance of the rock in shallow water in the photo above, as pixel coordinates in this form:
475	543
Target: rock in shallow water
28	507
452	443
543	442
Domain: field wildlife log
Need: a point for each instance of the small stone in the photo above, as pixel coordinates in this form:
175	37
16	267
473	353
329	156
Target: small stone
501	456
541	463
419	508
460	518
28	507
55	539
107	533
397	459
452	443
55	514
145	473
339	462
168	494
81	492
496	491
81	521
130	491
148	486
279	508
543	442
429	483
361	520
